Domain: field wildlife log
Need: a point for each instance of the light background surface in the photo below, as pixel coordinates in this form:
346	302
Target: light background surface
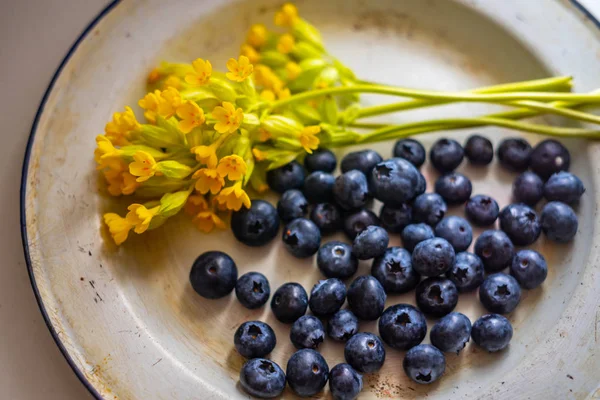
34	37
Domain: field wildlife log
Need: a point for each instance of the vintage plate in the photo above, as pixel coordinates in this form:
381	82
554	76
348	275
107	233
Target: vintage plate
127	319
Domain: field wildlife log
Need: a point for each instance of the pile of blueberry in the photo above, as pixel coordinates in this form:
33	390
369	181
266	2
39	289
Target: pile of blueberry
434	260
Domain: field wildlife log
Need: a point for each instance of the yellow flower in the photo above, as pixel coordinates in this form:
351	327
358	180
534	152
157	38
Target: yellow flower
263	135
206	221
232	166
120	182
229	119
209	180
195	204
206	155
283	93
140	217
150	105
239	69
118	227
267	95
143	166
257	35
202	72
286	43
191	116
170	100
106	155
293	70
122	123
251	53
264	76
308	138
153	76
172	81
259	155
287	16
233	197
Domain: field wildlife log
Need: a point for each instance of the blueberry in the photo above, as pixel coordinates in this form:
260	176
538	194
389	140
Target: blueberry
429	208
529	268
301	237
514	154
424	364
370	243
327	217
411	150
291	205
479	150
342	325
335	260
252	290
564	187
363	161
421	185
307	372
446	155
213	275
351	190
467	273
521	223
320	160
549	157
289	302
366	297
451	333
492	332
482	210
402	326
358	221
393	182
395	219
257	225
433	257
436	296
254	339
327	297
318	187
414	234
456	231
394	271
344	382
307	332
454	188
495	250
528	188
365	352
500	293
559	222
290	176
262	378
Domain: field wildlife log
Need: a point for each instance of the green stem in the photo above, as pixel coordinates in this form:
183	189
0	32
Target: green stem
556	84
427	94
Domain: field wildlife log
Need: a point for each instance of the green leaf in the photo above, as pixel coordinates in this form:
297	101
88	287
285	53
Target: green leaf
278	125
306	114
129	151
311	68
273	59
329	110
172	203
249	167
160	136
288	143
280	162
159	185
222	89
173	169
172	129
305	31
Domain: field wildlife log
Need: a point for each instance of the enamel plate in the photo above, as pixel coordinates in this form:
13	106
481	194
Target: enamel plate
127	319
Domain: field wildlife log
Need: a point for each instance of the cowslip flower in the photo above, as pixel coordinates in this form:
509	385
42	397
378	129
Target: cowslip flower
292	70
170	99
202	72
308	138
172	81
233	167
118	129
287	16
264	76
251	53
206	155
239	69
195	204
208	180
228	117
153	76
118	227
140	217
233	197
207	220
150	105
120	182
106	155
267	95
143	166
259	155
286	43
191	116
257	35
283	93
